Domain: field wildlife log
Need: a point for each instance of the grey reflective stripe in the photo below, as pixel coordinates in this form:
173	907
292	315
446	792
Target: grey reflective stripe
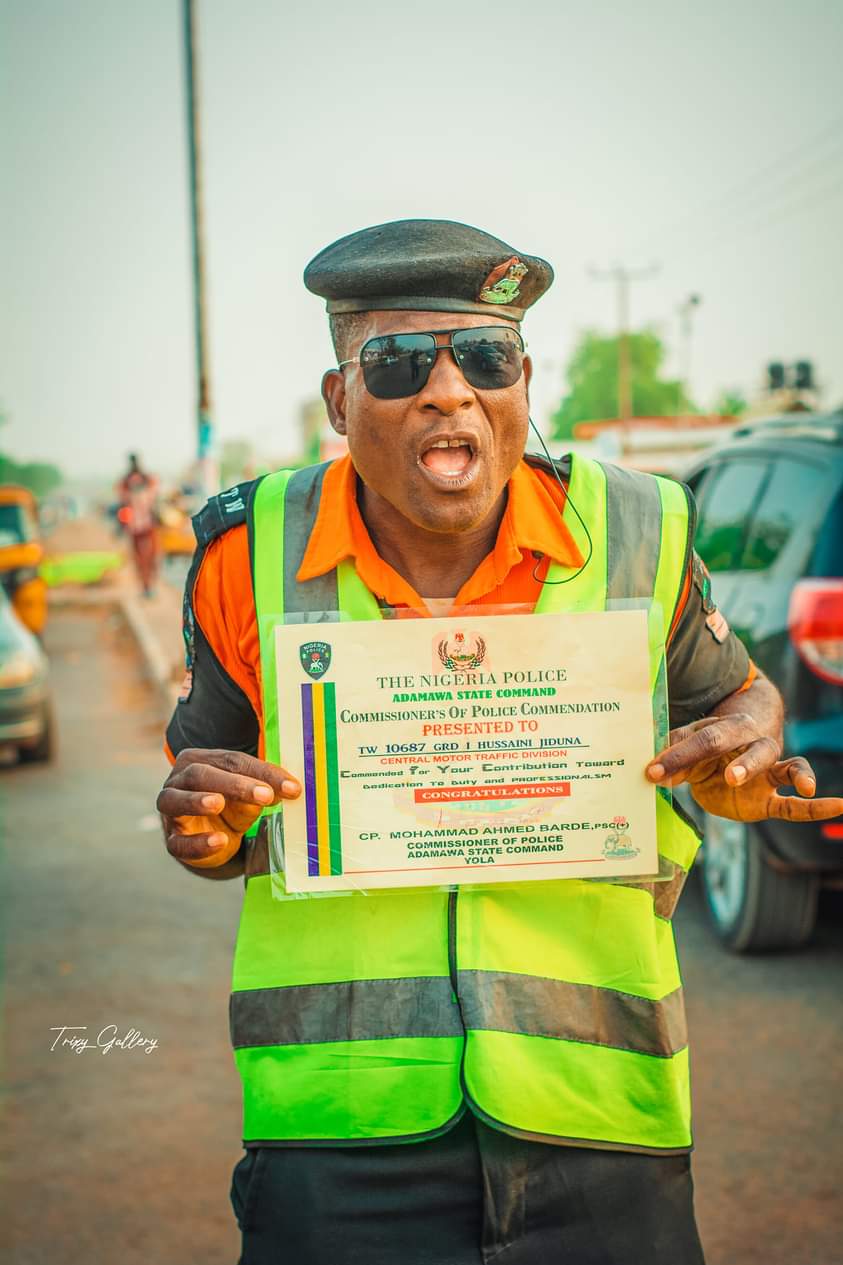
256	851
633	530
665	893
301	506
501	1001
355	1010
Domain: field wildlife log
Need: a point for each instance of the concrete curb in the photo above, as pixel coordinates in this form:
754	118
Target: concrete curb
156	666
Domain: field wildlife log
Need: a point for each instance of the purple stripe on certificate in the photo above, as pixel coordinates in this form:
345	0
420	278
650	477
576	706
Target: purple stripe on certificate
309	779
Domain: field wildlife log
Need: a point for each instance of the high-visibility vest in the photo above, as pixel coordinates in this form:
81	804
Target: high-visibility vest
552	1009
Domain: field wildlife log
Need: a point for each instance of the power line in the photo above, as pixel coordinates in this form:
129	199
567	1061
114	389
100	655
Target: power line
811	199
753	185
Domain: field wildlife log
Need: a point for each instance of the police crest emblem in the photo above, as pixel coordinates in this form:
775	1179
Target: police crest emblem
503	283
461	651
315	658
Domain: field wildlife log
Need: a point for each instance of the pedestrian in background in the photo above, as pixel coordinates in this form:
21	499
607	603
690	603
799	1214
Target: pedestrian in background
137	493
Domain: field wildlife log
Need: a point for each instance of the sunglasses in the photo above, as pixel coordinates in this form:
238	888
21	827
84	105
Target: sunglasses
398	365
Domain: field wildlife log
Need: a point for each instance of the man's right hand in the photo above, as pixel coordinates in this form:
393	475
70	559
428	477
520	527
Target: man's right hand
212	797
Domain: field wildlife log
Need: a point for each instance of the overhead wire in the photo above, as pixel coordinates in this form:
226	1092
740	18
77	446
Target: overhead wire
812	199
768	181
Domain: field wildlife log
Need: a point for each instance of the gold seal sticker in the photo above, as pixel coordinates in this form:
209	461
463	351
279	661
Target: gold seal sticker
502	283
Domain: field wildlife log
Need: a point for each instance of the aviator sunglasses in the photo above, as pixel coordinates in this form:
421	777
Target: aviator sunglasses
398	365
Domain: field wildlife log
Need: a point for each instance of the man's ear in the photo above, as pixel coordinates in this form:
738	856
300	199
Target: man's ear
528	373
333	393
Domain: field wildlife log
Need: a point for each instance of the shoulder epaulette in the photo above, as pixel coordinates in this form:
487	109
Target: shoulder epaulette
223	511
562	464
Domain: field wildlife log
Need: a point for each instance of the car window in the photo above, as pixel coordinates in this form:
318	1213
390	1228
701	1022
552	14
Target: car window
11	527
700	480
787	499
726	502
828	555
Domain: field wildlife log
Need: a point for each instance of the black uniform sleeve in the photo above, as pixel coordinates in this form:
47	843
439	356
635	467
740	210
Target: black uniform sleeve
212	711
705	660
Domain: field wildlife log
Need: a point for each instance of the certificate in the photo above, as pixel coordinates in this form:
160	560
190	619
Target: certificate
467	750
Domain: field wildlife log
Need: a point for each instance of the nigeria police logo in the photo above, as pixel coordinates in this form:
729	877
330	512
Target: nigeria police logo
315	658
461	650
503	283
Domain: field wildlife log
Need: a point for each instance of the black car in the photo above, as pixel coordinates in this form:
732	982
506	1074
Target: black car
771	532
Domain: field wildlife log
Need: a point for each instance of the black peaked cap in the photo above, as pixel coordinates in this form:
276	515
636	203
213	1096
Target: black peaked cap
427	265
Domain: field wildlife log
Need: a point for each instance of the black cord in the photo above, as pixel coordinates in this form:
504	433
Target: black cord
573	507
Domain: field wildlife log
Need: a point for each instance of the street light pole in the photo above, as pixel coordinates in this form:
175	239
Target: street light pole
204	423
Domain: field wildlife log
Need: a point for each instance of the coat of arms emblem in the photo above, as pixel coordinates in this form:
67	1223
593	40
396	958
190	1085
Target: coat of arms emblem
461	650
619	843
315	658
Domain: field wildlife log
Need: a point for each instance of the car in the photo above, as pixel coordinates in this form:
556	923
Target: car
27	726
770	530
21	555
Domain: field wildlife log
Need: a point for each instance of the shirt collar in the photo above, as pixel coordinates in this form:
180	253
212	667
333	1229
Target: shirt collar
532	520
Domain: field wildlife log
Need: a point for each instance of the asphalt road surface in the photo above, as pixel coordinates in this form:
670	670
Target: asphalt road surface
126	1156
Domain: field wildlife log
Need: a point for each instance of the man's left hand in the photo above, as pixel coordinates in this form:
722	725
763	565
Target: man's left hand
734	771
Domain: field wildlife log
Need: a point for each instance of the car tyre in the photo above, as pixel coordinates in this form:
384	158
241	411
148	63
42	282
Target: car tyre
751	905
44	749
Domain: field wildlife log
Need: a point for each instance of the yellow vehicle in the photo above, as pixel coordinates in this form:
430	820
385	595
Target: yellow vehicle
175	532
21	555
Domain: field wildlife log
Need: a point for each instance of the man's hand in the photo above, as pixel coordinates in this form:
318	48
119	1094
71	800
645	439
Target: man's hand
212	797
734	771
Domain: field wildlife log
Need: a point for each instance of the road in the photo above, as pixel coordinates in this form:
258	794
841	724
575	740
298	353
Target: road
127	1155
119	1156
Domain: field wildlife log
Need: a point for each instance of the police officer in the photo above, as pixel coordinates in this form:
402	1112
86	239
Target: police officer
441	1077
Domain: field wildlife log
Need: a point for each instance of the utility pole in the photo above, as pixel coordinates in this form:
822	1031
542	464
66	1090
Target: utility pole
686	328
204	423
622	278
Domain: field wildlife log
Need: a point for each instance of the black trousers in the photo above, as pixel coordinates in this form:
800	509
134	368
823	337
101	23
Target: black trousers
471	1196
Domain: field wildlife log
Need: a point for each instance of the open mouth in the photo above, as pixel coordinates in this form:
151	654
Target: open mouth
449	461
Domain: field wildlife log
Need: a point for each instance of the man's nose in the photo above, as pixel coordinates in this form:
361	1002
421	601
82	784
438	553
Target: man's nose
446	390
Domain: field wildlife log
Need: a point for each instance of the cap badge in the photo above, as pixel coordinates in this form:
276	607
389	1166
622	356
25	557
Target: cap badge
502	283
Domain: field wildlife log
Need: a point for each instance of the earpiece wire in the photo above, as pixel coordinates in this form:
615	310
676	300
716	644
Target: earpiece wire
568	500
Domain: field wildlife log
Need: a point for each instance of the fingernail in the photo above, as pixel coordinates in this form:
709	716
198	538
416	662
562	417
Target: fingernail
211	801
263	794
289	787
739	773
656	772
217	841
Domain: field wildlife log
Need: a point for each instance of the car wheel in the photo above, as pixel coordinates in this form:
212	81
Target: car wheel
751	905
45	748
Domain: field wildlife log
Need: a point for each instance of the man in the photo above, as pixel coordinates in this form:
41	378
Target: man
435	1077
138	493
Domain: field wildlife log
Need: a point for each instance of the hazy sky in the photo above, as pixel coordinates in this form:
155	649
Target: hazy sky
705	137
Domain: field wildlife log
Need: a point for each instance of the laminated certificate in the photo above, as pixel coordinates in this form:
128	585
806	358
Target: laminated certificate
435	752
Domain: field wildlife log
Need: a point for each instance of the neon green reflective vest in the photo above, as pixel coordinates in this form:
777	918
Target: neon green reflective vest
553	1009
